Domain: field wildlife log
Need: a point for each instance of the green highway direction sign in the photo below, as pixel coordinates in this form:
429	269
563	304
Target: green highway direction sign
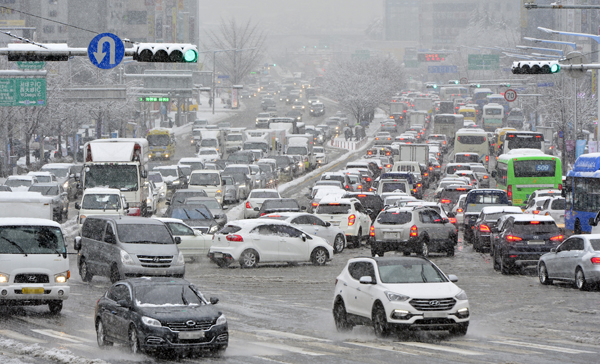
484	62
154	99
22	92
31	65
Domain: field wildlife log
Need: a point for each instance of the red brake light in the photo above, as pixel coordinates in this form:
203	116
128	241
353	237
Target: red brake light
535	212
509	192
560	186
459	210
461	189
511	238
559	238
535	222
445	200
372	231
418	185
362	195
452	220
484	228
314	204
248	205
485	177
351	219
487	158
595	260
234	237
414	231
262	214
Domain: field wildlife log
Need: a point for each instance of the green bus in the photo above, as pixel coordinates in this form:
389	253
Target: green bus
522	171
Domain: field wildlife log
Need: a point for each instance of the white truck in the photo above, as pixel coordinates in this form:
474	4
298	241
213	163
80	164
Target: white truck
548	132
120	163
26	204
35	266
417	118
423	104
413	152
303	146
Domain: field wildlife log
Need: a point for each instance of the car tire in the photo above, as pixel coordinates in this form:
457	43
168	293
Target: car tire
460	329
577	228
359	238
338	244
543	274
65	216
495	260
319	256
340	317
379	319
424	249
115	276
101	335
476	247
55	307
376	250
504	269
84	271
580	281
249	259
222	263
133	340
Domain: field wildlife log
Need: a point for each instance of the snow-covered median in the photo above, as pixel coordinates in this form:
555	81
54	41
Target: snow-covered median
14	352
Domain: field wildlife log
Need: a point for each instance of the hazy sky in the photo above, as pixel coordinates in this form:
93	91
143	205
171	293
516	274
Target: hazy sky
295	17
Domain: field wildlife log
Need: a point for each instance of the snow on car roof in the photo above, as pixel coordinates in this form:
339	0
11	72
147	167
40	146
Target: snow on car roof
498	209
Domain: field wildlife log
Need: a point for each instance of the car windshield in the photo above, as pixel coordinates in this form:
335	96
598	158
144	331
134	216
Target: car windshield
45	190
168	172
157	295
155	177
58	172
144	234
31	240
187	212
333	209
264	194
158	139
409	272
394	218
122	177
208	152
205	179
101	201
18	182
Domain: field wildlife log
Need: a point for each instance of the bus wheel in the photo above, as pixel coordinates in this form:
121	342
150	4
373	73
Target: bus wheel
577	229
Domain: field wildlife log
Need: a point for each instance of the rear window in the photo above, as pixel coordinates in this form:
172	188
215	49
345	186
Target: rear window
471	139
452	195
535	168
264	194
466	158
453	169
393	187
558	204
333	209
595	244
335	178
537	228
277	204
493	198
230	229
394	218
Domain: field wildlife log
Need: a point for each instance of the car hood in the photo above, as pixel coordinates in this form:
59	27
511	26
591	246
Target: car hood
171	313
424	290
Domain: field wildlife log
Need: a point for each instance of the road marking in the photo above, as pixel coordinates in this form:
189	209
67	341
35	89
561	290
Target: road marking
440	348
62	336
272	360
289	348
18	336
480	345
379	347
544	347
289	335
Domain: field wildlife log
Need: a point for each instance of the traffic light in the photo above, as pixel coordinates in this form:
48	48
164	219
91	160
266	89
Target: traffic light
535	67
431	85
57	52
453	82
165	52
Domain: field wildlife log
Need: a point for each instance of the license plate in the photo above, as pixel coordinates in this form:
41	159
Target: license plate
158	154
190	335
217	255
335	223
391	235
434	314
33	290
536	242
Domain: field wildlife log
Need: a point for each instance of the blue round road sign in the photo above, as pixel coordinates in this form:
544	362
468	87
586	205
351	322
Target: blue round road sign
106	51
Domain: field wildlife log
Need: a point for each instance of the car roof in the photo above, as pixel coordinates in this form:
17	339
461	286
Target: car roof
531	217
337	199
19	221
506	209
147	281
101	190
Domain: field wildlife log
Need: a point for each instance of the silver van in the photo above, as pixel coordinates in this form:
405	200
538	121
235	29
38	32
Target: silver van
119	247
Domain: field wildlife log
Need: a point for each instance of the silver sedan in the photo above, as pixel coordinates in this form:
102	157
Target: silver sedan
313	225
576	260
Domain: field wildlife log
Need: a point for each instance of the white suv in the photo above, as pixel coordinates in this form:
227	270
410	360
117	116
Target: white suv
348	214
397	294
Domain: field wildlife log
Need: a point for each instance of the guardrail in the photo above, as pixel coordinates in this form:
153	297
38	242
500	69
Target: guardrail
348	144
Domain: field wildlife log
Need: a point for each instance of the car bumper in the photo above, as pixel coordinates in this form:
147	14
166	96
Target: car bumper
250	214
13	294
523	259
162	338
139	271
402	315
411	245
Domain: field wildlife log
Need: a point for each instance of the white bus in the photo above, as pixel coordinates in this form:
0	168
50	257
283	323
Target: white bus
472	140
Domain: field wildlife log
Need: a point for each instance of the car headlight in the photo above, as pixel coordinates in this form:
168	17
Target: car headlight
392	296
213	229
462	295
221	320
176	182
126	258
150	321
180	259
4	277
62	277
66	184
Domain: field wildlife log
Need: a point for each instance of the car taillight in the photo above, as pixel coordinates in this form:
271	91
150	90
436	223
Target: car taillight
359	187
351	219
426	174
347	187
262	214
372	231
484	228
509	192
418	185
595	260
315	204
557	238
535	212
459	210
560	186
388	166
452	220
248	205
234	237
368	179
511	238
485	177
414	231
445	200
487	158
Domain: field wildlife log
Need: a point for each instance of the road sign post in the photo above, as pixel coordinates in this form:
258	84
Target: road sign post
510	95
106	57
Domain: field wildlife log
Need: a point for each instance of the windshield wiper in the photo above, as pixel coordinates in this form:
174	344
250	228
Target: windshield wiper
201	213
15	244
185	302
423	274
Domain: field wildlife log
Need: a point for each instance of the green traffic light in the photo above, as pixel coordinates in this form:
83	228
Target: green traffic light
434	86
190	56
456	82
274	65
478	85
554	68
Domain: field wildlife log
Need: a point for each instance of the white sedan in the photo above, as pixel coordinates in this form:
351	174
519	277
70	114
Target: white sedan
314	226
194	244
250	242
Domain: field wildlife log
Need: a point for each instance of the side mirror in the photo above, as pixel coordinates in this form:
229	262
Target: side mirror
593	222
451	214
553	250
303	237
366	280
177	240
303	208
327	223
167	203
144	174
77	243
445	220
77	206
126	206
452	278
214	300
124	303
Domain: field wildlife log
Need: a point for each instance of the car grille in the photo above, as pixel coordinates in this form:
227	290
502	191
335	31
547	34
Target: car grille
183	326
155	261
31	278
432	304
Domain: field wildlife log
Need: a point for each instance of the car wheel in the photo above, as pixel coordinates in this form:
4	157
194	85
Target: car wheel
55	307
340	317
338	243
249	259
577	228
101	335
495	259
503	267
84	271
134	341
380	324
460	329
319	256
476	245
359	238
424	248
543	274
580	281
115	276
222	263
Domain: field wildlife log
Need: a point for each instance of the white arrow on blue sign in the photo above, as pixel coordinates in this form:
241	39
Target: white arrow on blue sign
106	51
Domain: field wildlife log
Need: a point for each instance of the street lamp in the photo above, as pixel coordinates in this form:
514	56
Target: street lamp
535	40
541	49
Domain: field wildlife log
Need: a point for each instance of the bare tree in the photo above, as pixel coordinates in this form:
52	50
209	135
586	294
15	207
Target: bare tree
360	86
231	35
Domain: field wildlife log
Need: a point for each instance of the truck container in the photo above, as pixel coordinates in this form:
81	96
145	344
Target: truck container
303	146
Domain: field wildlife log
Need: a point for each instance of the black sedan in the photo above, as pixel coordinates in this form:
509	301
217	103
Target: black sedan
160	314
